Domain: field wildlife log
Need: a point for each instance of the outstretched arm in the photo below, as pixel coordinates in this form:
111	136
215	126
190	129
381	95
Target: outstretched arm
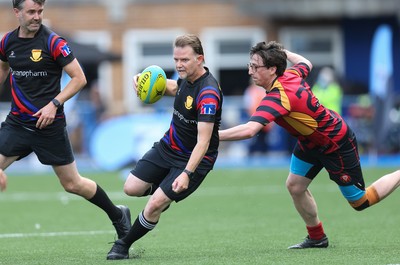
240	132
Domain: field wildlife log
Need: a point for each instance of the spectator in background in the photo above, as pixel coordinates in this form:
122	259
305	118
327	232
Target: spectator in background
252	98
328	90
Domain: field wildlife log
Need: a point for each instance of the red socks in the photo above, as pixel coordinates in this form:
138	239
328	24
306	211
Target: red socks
316	232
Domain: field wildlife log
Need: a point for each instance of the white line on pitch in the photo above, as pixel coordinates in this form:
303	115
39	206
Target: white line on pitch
202	192
48	196
53	234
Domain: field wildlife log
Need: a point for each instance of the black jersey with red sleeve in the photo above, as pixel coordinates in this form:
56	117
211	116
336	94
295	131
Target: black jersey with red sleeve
200	101
36	66
292	105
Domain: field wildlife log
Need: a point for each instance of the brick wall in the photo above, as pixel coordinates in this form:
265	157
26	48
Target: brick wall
190	16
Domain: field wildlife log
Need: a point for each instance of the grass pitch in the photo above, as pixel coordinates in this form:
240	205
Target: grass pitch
236	217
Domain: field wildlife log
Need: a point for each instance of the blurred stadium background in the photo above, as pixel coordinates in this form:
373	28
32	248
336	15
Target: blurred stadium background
113	40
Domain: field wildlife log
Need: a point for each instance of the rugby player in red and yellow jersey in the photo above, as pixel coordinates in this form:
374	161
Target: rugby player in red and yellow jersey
324	138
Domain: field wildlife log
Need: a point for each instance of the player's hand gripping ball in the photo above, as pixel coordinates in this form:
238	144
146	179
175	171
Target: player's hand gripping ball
151	84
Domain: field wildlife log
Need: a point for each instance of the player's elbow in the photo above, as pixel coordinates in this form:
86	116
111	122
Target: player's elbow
79	82
83	81
252	129
248	133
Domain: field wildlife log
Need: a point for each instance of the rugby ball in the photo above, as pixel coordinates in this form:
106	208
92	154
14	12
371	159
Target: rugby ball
151	84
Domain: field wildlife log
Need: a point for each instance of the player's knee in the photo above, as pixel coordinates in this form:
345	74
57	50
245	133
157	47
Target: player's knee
129	190
68	187
134	190
295	188
157	204
368	199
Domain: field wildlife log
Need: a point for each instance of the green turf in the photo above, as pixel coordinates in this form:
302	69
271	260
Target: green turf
236	217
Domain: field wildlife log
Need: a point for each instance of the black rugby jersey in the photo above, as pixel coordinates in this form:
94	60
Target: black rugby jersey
197	102
36	67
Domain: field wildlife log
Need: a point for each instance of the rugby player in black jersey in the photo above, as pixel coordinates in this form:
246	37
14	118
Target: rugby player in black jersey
176	165
33	57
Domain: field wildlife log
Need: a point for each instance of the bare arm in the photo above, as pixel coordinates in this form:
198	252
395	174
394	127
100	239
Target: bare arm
77	82
172	87
240	132
47	114
295	58
205	130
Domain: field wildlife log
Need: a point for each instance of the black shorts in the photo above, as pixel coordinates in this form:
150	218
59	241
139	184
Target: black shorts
158	169
51	148
343	165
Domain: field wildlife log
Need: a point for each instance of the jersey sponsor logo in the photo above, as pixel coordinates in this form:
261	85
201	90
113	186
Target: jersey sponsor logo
65	50
28	73
209	109
36	55
188	102
182	118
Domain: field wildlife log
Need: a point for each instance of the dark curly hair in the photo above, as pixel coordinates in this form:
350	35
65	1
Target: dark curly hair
272	54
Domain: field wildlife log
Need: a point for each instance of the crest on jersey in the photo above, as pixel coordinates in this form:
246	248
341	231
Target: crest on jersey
36	55
189	102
